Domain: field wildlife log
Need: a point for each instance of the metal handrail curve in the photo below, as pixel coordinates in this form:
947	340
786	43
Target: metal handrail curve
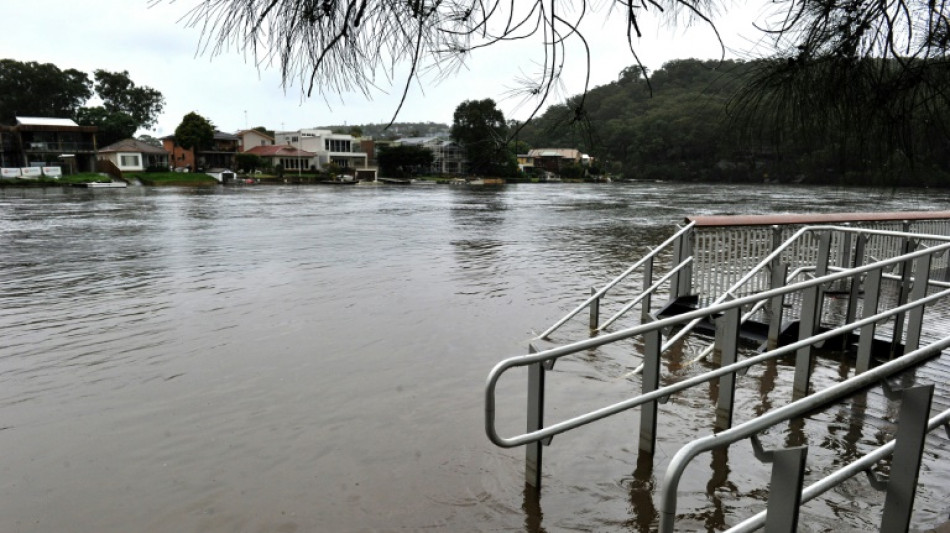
840	476
695	315
603	290
681	459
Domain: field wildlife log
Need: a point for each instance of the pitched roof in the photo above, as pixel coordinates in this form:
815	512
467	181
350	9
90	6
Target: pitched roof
132	145
257	132
274	150
222	136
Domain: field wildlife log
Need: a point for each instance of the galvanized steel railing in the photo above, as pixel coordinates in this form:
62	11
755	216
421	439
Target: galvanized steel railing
795	409
864	464
914	266
677	242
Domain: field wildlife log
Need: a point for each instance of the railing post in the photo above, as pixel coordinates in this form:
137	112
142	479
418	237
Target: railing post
860	243
535	421
727	345
594	311
779	279
915	317
677	258
810	318
785	490
650	382
905	466
776	305
906	267
686	275
872	292
647	302
681	284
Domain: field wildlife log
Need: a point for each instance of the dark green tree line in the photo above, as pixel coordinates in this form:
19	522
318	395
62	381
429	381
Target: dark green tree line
402	161
34	89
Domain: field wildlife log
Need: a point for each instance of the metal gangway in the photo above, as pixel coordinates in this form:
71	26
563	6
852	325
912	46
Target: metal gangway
768	280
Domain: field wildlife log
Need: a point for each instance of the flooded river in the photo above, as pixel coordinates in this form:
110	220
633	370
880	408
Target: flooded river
289	359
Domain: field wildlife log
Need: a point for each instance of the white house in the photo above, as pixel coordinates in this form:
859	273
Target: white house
341	149
248	139
134	156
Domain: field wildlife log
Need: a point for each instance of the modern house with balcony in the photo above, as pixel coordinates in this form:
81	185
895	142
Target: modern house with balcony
48	142
340	149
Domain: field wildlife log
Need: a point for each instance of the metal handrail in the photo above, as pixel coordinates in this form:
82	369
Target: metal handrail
840	476
600	293
795	409
745	318
686	262
695	315
759	305
767	260
663	392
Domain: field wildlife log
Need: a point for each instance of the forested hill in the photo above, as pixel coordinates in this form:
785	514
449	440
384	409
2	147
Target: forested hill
685	124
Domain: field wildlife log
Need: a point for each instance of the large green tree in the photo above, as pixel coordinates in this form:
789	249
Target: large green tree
125	107
40	89
194	132
480	128
401	160
119	94
113	126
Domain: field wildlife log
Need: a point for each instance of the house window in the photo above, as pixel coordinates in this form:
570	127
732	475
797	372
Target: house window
337	145
129	161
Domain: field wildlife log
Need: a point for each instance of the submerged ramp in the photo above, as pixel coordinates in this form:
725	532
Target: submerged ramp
840	303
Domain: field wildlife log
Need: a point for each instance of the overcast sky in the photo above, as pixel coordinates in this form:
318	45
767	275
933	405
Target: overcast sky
158	50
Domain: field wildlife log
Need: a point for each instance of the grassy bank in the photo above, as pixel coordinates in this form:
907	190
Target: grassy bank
180	179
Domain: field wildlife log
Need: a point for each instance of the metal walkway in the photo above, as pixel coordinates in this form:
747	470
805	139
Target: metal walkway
868	288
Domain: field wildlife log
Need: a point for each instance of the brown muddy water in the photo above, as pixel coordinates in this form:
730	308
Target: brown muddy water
314	359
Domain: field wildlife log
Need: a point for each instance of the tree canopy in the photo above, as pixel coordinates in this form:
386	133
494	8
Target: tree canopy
194	132
687	130
480	128
119	94
40	90
400	161
34	89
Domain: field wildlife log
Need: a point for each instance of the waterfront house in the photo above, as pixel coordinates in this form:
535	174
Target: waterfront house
291	159
248	139
340	149
48	142
554	159
224	147
133	155
447	156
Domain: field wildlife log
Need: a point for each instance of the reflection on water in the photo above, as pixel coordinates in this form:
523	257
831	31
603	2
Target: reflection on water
313	359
